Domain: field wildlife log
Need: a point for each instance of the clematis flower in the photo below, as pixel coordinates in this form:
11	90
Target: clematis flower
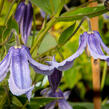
62	103
89	41
24	17
17	61
93	42
54	81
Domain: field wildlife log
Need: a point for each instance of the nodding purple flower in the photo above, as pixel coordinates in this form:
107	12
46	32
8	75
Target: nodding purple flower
17	61
62	103
54	81
92	42
24	17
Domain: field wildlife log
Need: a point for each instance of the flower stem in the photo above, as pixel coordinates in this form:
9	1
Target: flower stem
95	68
17	38
66	8
42	34
89	24
103	76
6	40
43	31
1	6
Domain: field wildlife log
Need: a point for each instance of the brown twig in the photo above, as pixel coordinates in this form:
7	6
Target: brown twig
95	68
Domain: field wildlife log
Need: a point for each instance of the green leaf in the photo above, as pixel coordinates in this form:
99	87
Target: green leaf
16	101
1	31
72	76
47	43
11	24
38	102
5	32
66	35
3	98
86	105
48	6
81	12
56	4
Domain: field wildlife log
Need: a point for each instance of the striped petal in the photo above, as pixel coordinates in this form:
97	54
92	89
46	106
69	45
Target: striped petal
67	63
39	68
4	65
106	49
66	94
95	48
19	12
27	22
50	105
63	104
20	81
54	79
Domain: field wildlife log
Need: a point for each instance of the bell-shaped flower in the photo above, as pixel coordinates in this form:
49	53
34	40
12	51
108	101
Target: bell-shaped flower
17	61
61	101
92	42
89	41
24	17
54	81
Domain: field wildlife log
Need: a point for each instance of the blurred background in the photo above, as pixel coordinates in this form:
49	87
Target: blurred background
78	79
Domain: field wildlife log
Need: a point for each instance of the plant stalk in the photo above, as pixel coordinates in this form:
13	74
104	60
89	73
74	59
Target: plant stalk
95	68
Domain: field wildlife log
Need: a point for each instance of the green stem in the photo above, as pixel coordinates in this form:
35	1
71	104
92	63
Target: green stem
104	76
66	8
41	35
78	17
6	18
61	55
61	5
24	106
58	46
17	38
6	40
85	4
45	22
1	6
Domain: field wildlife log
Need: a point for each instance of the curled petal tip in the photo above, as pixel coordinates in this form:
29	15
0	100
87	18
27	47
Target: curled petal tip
16	90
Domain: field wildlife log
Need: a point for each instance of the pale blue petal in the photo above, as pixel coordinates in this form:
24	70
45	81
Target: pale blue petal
66	94
39	68
20	73
95	49
63	104
106	49
44	91
15	89
94	44
4	65
67	63
50	105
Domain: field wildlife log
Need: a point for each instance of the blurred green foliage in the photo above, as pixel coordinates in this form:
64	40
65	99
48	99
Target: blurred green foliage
78	79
